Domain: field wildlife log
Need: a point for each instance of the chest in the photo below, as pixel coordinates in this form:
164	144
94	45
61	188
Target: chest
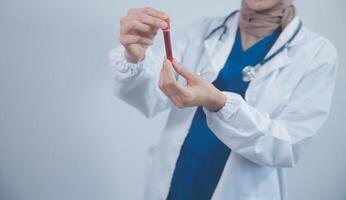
273	86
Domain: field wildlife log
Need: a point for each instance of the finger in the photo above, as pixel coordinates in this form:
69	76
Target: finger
167	72
176	96
149	34
134	26
177	101
169	81
152	21
183	71
177	93
123	20
133	11
155	13
135	39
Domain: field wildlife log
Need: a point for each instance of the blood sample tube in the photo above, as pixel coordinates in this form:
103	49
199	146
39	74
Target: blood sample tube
167	39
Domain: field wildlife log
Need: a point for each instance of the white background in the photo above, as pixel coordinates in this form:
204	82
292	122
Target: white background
63	136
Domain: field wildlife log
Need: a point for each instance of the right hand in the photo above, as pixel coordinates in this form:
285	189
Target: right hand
138	30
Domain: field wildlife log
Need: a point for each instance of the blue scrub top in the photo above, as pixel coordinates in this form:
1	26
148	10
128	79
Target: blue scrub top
203	156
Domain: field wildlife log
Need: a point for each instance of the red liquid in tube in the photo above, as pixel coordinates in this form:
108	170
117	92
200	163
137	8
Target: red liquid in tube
167	39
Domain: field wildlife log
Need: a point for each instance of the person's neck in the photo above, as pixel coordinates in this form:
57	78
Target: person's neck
248	40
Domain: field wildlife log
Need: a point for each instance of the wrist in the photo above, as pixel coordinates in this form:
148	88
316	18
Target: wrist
131	58
217	101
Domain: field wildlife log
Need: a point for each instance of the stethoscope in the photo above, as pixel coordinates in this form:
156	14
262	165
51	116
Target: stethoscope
249	72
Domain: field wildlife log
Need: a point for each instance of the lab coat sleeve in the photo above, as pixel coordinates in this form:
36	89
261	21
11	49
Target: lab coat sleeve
279	141
137	83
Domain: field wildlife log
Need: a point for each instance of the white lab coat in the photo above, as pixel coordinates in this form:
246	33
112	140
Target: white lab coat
268	131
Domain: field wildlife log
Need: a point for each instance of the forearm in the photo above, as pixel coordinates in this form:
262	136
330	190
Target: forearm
137	84
256	136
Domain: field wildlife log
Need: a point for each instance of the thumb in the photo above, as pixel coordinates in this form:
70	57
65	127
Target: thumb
189	76
167	68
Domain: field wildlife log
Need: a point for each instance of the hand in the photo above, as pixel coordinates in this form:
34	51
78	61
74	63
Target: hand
197	92
138	29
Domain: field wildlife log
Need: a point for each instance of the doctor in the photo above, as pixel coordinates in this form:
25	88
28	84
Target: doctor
247	93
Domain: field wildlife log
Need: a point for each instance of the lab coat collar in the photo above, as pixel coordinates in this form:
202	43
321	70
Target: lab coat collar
218	50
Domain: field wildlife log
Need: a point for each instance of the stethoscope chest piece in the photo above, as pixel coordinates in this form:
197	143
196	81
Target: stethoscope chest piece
249	73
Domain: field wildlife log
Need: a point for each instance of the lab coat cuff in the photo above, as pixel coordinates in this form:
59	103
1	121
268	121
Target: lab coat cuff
227	112
121	67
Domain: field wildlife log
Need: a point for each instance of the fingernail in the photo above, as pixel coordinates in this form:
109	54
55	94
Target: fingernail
163	24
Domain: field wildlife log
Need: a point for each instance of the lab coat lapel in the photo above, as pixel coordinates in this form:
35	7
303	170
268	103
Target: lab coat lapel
282	59
218	50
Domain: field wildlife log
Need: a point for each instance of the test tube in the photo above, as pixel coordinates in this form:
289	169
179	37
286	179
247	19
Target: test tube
167	39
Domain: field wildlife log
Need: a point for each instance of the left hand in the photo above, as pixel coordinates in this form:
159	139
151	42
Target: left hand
197	92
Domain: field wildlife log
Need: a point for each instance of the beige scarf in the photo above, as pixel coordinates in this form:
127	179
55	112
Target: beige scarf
262	23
